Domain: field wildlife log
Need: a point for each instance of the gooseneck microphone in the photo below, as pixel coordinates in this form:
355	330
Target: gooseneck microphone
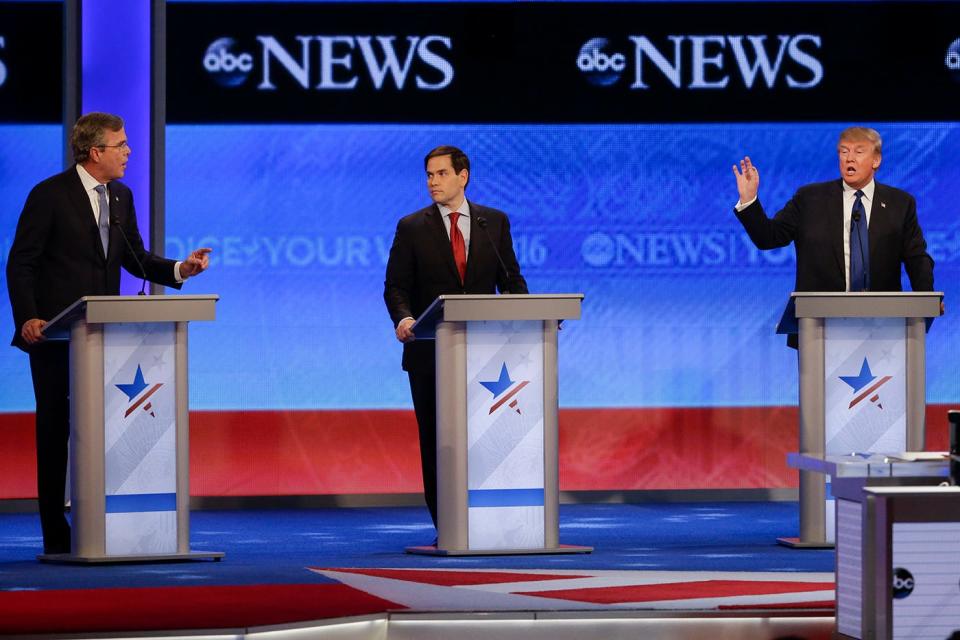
114	221
856	220
482	223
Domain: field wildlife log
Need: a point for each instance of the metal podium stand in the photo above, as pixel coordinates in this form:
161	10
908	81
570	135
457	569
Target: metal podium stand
497	403
129	427
862	385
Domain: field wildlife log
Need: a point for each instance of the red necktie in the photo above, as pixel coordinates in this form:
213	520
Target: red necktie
459	248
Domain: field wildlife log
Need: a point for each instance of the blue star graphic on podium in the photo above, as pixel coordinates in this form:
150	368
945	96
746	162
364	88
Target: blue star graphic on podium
863	379
136	387
496	387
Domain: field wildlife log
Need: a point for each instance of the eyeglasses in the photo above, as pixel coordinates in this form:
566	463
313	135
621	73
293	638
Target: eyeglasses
119	145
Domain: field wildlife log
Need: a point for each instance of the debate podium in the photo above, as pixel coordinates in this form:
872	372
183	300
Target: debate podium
898	540
497	437
129	427
862	386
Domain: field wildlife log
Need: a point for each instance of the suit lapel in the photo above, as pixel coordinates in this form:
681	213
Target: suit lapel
441	239
472	257
83	209
834	209
878	220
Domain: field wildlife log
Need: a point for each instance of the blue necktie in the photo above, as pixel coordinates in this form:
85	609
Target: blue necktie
859	247
104	218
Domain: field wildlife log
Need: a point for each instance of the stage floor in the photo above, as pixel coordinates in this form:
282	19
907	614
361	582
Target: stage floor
288	566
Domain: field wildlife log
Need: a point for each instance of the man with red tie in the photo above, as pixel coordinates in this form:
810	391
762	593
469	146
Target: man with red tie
449	247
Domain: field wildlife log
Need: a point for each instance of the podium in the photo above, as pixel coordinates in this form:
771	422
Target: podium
497	439
129	427
898	538
862	386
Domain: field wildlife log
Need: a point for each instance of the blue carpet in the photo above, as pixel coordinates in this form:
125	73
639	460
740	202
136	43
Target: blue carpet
275	546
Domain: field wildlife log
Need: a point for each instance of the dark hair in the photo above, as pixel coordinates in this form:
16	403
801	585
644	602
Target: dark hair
89	130
458	158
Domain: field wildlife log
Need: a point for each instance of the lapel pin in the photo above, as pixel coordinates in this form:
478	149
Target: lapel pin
883	205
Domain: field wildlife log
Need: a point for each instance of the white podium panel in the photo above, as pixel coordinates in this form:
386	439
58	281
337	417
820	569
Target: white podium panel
505	470
140	446
865	391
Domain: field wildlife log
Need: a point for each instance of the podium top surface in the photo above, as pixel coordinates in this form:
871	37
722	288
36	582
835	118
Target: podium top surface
507	306
867	304
109	309
910	464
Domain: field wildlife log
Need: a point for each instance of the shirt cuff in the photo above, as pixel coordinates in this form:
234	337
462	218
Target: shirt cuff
741	206
176	271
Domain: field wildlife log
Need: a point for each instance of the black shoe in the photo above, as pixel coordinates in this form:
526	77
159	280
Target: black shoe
56	548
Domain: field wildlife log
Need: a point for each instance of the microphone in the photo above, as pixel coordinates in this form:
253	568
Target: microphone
856	220
482	223
114	221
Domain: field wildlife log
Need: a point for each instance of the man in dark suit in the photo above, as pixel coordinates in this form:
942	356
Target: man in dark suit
446	248
70	243
850	234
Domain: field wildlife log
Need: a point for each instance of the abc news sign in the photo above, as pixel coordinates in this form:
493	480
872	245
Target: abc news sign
335	62
560	62
30	63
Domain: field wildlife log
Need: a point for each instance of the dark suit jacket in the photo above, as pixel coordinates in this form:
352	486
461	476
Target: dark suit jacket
421	267
57	257
813	221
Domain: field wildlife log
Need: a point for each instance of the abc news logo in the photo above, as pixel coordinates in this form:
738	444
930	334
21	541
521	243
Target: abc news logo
706	61
903	583
334	62
952	60
3	67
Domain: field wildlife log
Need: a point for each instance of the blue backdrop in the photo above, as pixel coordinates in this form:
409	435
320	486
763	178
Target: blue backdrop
679	308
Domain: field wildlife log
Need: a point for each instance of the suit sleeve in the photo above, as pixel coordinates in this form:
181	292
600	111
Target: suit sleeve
400	277
26	252
916	260
155	268
513	281
776	232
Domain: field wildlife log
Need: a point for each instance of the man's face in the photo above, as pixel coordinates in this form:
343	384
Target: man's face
444	184
109	161
858	162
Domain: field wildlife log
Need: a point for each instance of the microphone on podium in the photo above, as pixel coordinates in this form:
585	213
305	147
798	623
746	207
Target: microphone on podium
482	223
114	221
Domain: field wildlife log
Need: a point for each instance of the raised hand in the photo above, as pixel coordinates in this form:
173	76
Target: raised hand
748	180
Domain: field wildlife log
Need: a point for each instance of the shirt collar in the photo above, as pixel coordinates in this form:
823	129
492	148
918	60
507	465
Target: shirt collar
848	191
89	182
464	209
